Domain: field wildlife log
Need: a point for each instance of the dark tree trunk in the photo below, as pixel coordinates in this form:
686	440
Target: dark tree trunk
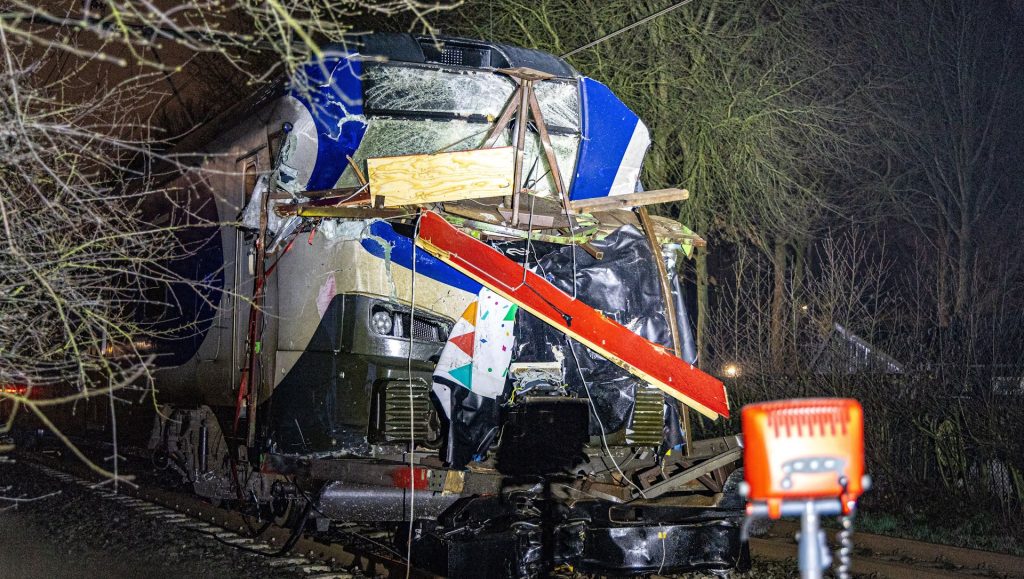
778	318
702	303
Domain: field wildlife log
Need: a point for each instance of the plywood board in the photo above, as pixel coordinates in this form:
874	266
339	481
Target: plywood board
638	356
419	179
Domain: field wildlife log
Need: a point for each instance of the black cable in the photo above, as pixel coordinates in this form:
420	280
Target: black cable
288	545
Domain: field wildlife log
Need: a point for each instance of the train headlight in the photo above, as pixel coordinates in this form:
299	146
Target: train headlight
382	323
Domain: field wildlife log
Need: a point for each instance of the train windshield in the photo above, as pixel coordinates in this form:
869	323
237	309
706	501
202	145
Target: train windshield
421	109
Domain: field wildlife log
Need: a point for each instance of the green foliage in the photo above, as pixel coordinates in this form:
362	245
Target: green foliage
741	97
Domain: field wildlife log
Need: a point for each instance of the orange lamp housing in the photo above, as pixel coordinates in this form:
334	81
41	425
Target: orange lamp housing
806	449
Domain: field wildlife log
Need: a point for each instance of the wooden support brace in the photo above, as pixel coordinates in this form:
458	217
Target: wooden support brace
593	251
629	200
693	473
347	197
670	310
349	212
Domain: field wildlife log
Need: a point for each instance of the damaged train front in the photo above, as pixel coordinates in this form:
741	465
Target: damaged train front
482	343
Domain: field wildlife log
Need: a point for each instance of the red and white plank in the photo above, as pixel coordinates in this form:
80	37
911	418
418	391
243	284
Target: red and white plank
637	355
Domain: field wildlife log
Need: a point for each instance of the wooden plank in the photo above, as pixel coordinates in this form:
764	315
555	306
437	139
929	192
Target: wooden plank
638	356
354	192
349	212
538	220
420	179
354	197
677	481
630	200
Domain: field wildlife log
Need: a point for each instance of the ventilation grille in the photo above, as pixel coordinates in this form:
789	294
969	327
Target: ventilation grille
422	329
406	405
648	418
810	421
455	53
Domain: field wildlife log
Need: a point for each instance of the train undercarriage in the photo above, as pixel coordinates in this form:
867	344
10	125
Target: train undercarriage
676	514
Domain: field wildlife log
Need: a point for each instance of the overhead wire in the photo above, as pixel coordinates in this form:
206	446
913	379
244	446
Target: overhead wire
627	28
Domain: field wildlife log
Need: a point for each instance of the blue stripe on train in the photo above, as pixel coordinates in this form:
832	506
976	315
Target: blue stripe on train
332	91
426	264
608	127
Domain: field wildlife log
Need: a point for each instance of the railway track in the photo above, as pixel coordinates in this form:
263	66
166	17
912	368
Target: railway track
895	558
360	555
358	558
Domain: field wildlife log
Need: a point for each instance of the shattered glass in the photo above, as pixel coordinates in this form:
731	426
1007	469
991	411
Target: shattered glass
559	103
460	93
415	89
463	93
565	147
389	137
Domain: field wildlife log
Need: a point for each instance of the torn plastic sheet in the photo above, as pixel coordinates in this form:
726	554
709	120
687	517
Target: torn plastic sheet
478	351
338	230
472	426
624	285
250	218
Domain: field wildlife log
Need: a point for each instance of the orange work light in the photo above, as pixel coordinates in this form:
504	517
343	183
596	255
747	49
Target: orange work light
805	458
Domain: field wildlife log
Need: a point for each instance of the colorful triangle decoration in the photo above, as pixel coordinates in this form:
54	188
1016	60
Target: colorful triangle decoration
470	314
464	342
463	375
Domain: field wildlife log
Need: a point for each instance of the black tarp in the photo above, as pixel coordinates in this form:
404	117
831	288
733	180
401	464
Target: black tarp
624	285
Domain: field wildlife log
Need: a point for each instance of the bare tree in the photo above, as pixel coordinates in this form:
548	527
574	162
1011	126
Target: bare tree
80	87
946	106
128	33
75	248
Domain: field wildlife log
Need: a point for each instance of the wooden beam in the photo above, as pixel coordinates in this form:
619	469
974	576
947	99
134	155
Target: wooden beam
631	352
421	179
349	197
677	481
670	308
630	200
525	73
349	212
359	193
538	220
